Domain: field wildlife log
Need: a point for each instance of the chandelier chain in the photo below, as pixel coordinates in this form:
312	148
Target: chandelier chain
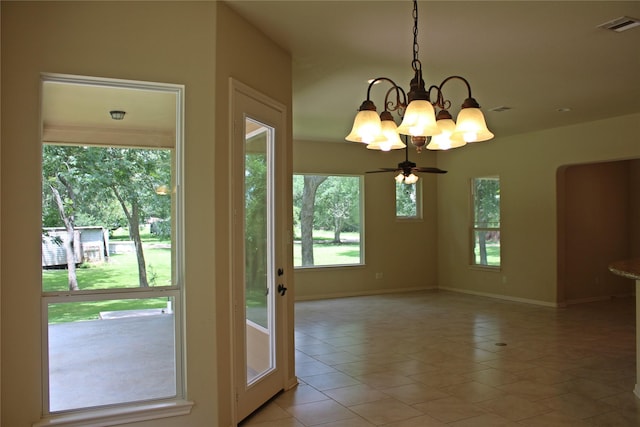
415	64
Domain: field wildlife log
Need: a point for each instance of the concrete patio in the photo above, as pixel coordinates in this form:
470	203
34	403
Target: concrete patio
113	360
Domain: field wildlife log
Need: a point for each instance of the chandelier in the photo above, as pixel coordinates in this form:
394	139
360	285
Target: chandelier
419	120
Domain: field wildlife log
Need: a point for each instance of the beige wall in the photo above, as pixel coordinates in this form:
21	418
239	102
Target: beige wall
527	166
405	252
171	42
259	64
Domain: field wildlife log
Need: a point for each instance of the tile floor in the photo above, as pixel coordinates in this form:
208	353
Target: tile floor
446	359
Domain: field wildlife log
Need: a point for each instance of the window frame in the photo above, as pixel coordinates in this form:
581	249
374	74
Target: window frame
139	410
361	201
473	228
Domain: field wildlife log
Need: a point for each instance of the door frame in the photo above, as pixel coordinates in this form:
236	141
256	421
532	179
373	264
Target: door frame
282	246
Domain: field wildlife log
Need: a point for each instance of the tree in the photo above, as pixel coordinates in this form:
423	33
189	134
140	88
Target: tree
406	200
59	170
255	232
335	203
311	184
104	176
486	211
132	175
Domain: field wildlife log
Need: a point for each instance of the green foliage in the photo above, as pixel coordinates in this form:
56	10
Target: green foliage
256	205
337	204
486	202
95	174
406	199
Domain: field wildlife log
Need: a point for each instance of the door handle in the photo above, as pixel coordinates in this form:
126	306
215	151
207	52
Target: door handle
281	289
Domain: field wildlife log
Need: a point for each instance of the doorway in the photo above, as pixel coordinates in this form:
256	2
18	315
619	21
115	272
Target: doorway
259	258
596	206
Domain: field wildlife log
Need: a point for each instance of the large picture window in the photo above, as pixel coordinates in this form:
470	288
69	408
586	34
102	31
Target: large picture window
111	268
485	228
327	216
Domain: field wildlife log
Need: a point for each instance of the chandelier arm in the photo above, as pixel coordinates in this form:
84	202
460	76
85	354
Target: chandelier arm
439	100
400	101
456	78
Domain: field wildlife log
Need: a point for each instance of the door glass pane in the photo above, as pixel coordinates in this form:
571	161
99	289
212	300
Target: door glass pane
258	235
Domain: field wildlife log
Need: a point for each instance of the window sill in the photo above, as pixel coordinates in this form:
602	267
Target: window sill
491	268
118	415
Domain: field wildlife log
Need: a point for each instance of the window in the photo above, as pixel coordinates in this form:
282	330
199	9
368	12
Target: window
327	220
111	275
486	221
408	200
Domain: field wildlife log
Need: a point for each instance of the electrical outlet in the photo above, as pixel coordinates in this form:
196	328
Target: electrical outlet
378	275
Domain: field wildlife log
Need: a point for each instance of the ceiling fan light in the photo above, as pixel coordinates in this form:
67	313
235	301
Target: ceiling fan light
366	127
399	178
443	140
419	119
471	126
411	179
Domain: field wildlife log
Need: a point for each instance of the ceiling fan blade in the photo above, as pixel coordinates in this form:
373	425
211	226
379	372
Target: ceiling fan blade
384	170
429	170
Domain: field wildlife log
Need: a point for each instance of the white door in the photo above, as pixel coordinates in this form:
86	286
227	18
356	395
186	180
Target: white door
259	289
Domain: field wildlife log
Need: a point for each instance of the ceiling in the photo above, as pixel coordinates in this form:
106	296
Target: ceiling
80	113
547	61
534	57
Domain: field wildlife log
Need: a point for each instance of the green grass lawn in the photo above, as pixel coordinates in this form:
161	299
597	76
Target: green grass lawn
327	253
493	255
120	272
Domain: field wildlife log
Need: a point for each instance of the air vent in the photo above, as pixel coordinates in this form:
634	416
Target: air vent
500	109
621	24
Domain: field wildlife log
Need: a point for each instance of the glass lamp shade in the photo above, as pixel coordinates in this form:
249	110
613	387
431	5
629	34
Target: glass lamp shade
399	178
443	140
419	119
411	179
390	139
471	127
366	127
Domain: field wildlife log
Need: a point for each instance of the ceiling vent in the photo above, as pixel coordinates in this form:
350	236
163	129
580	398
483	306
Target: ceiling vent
500	109
621	24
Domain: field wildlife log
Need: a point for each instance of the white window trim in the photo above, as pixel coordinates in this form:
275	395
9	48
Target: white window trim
145	410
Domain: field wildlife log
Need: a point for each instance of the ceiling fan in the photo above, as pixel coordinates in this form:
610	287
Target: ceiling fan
406	169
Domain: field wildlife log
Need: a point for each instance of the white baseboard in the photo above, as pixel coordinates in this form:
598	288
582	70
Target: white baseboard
600	298
362	293
502	297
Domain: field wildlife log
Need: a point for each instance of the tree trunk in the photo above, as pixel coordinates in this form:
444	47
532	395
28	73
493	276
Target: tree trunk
134	234
482	243
69	242
337	225
311	184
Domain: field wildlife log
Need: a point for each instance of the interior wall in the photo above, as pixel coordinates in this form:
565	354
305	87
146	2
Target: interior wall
172	42
597	216
404	251
527	166
249	51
